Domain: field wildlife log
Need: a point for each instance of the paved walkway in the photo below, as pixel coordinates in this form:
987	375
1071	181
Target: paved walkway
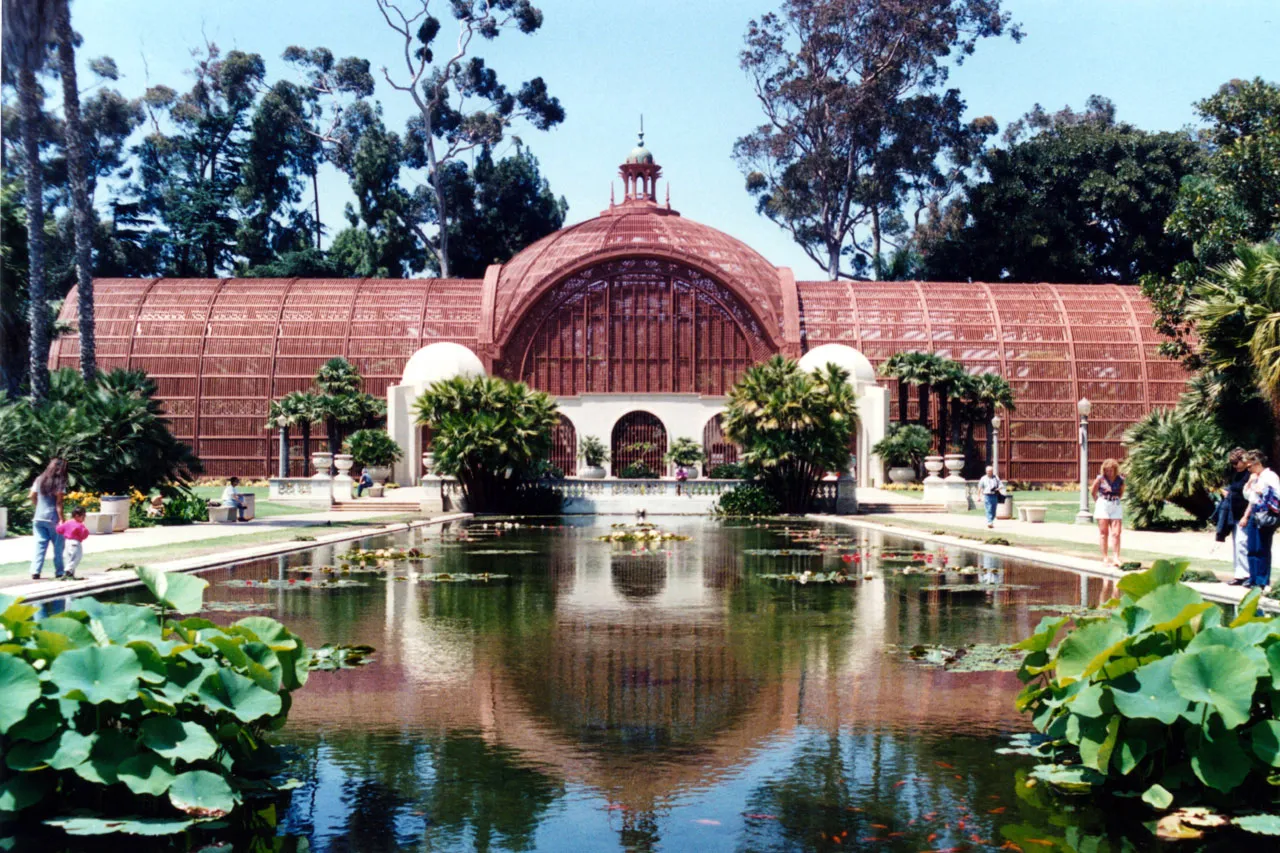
17	549
98	581
1198	545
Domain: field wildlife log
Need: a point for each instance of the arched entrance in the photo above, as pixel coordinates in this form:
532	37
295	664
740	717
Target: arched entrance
719	450
564	446
639	439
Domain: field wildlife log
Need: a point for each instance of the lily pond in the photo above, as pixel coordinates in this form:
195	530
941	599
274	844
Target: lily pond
752	687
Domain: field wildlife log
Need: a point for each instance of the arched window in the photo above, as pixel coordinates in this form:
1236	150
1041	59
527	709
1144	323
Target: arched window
638	326
639	438
719	450
564	446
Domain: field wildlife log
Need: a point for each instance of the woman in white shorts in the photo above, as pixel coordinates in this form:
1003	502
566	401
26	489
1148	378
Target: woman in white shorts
1107	491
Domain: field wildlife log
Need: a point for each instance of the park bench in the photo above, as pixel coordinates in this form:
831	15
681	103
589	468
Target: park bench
1032	513
99	523
222	514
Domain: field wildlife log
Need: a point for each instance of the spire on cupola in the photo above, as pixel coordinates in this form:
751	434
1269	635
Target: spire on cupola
640	173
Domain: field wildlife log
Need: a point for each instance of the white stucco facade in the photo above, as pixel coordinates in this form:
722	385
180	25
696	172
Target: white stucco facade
432	363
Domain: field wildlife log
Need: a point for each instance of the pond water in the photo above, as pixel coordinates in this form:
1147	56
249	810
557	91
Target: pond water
608	697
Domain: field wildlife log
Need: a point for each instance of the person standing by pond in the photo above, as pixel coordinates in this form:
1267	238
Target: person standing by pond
47	493
991	488
1233	508
1260	517
73	532
1107	491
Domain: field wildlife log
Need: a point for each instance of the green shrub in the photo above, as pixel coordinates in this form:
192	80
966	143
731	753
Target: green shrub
685	451
904	445
747	499
1174	457
136	723
638	470
1162	696
372	448
594	453
184	509
730	471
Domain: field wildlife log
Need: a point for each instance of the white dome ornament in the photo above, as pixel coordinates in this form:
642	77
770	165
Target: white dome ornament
845	357
439	361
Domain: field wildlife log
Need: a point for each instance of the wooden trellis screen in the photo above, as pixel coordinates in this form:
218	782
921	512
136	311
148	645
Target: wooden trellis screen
719	450
564	447
638	437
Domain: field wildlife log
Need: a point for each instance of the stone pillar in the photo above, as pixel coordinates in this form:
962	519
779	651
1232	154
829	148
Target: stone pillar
934	487
846	495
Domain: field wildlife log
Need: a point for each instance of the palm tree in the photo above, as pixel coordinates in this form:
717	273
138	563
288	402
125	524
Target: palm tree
948	378
917	369
305	408
988	393
894	367
28	26
338	376
81	207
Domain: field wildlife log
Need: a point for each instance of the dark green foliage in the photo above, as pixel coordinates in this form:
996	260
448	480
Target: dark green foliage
113	711
792	426
1083	200
594	451
904	445
638	470
1174	457
372	447
492	434
730	471
184	509
747	499
685	451
1164	696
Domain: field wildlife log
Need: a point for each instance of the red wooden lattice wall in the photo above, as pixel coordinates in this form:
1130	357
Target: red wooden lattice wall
638	428
719	450
564	447
650	326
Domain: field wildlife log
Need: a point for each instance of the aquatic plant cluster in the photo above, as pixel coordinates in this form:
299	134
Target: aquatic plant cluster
141	724
1161	697
643	533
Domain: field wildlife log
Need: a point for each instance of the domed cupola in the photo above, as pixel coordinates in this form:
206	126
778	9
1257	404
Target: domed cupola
640	174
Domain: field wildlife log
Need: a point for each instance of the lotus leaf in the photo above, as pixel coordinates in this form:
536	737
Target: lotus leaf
62	752
229	691
124	622
1139	584
1042	638
1264	740
44	717
1172	606
20	792
1222	677
1098	742
179	740
1218	760
1260	824
75	631
1072	779
1130	753
126	826
1087	649
110	750
1148	692
146	773
181	592
1157	797
97	674
200	793
20	686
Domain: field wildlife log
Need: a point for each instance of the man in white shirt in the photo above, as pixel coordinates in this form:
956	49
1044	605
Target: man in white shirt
990	487
231	497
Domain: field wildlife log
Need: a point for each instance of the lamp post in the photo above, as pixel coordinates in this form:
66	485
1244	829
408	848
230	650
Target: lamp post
1083	408
996	420
283	423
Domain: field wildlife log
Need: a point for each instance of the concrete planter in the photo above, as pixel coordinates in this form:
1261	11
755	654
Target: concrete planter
954	463
343	485
320	461
117	506
591	472
902	474
99	523
379	473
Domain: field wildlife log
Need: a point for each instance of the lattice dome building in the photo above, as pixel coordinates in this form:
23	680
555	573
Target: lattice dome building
638	321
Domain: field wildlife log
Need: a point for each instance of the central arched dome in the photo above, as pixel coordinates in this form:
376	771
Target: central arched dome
636	228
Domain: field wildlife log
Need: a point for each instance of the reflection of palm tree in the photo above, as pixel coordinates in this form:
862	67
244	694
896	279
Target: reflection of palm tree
639	833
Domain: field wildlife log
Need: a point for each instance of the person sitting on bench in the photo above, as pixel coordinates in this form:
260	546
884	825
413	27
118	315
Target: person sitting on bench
231	497
366	482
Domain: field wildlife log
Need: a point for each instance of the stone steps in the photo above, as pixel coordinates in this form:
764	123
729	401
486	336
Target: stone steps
891	509
376	505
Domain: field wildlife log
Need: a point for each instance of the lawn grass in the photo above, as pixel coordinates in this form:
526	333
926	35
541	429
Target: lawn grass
262	508
200	547
1036	543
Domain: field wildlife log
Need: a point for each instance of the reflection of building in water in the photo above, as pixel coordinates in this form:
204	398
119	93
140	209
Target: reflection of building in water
647	676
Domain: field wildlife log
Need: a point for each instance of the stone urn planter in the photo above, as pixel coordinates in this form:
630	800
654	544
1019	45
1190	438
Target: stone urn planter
117	506
428	463
591	472
955	464
379	473
902	474
343	485
343	463
933	464
320	461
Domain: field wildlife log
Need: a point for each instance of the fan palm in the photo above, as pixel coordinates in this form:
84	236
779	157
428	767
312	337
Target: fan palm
988	393
793	426
1236	311
918	369
894	367
1177	458
338	376
28	28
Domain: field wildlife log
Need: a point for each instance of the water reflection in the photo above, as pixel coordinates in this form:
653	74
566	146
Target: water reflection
605	697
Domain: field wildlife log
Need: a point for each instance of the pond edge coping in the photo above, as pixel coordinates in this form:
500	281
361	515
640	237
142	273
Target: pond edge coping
1219	593
47	590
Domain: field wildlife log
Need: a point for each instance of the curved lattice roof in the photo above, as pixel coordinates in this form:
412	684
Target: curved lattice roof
638	228
1055	343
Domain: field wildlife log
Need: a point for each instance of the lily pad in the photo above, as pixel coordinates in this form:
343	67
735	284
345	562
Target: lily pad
293	583
1070	779
1223	677
146	773
229	691
1260	824
809	577
1148	692
176	739
180	591
1157	797
125	825
978	657
782	552
452	577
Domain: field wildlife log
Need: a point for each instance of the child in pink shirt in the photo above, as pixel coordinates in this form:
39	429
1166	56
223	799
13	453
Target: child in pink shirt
74	532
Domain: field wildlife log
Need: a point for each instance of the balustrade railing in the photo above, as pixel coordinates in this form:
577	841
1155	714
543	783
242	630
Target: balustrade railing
572	487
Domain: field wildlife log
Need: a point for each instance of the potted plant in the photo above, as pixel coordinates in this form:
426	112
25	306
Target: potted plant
902	448
594	455
375	451
685	453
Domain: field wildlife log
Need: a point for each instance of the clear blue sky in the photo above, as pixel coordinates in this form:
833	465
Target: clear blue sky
676	61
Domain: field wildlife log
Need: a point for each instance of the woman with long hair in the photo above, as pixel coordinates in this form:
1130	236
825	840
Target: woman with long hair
46	495
1236	505
1107	490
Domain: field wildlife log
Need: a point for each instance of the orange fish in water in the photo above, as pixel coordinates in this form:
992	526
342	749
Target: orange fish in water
1042	842
900	784
932	838
944	765
1009	845
878	826
997	811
